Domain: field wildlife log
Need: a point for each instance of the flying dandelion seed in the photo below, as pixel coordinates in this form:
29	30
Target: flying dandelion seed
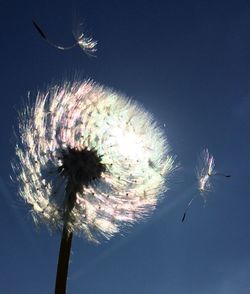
90	161
205	171
87	44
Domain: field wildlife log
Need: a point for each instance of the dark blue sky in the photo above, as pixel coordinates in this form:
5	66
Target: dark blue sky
188	62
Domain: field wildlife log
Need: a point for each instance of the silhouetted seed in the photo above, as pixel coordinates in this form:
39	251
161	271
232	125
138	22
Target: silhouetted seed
87	44
39	30
184	216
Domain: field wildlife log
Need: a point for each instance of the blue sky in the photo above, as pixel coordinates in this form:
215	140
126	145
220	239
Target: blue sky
188	62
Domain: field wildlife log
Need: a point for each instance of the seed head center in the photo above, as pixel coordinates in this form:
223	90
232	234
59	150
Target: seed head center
80	167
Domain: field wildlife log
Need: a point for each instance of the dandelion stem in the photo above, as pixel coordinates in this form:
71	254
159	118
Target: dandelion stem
63	260
65	247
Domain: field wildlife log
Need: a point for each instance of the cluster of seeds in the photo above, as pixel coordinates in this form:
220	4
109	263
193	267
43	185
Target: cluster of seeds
88	140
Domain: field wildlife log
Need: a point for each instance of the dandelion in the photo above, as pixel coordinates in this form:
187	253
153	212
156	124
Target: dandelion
205	171
90	161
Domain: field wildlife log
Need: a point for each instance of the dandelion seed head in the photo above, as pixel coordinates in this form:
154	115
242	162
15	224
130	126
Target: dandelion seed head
107	146
205	170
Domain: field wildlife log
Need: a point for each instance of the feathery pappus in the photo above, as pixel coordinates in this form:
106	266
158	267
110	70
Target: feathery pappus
86	140
87	44
204	172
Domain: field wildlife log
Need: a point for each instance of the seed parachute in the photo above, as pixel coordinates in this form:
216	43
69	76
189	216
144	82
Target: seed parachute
205	171
86	43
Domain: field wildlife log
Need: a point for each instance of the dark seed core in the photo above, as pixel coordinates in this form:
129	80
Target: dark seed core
80	167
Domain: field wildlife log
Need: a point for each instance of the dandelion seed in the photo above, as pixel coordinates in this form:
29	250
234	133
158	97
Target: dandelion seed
88	44
205	171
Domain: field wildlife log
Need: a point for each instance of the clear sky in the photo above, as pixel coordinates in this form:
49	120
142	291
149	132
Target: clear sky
188	62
